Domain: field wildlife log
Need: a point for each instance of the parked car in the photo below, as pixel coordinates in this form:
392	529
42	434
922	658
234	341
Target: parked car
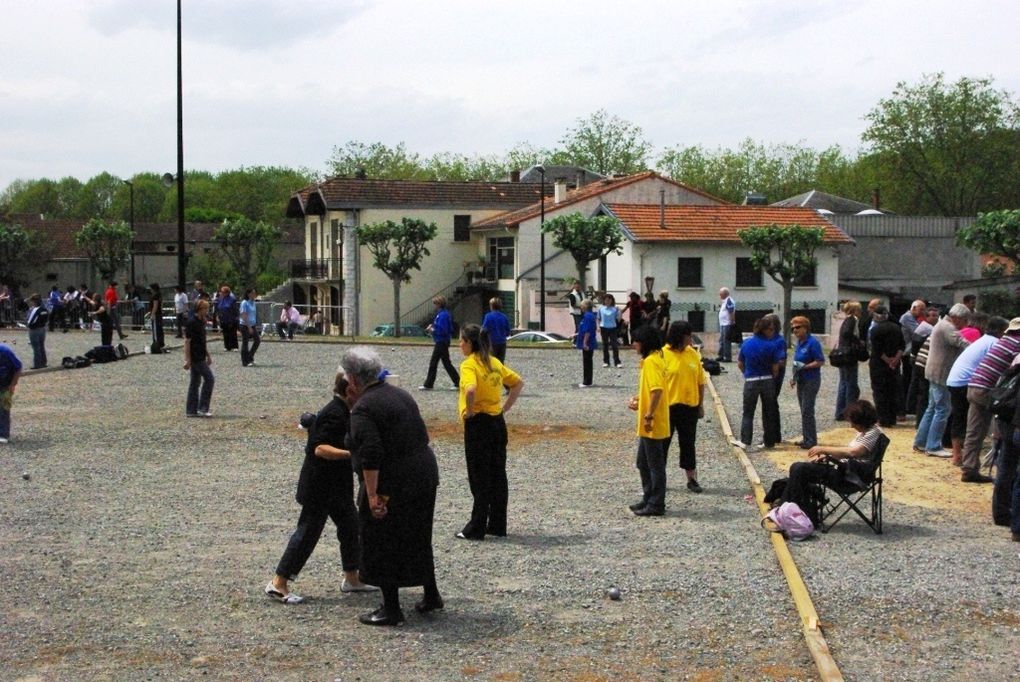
405	330
538	337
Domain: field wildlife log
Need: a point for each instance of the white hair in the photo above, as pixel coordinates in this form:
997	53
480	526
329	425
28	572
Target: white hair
361	363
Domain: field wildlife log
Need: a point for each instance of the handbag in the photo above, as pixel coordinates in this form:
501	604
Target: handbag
860	350
841	356
790	520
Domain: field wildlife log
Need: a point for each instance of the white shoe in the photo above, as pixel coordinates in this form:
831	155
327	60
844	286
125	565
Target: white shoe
4	440
941	453
739	444
585	385
619	364
276	595
605	364
347	588
205	414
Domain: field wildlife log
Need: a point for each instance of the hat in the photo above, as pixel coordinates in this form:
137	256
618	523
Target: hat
1014	325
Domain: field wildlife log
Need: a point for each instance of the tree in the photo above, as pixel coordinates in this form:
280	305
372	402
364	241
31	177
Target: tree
96	198
947	148
397	249
376	161
107	244
996	233
586	239
248	245
20	253
786	253
605	144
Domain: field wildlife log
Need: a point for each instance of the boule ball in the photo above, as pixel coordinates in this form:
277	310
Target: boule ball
614	593
307	420
25	475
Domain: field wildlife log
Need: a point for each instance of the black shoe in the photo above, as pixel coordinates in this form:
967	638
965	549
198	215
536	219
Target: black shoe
497	533
693	486
975	477
427	605
648	511
805	446
380	617
637	505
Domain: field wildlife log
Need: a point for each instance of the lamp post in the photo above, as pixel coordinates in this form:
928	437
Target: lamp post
180	157
541	253
131	219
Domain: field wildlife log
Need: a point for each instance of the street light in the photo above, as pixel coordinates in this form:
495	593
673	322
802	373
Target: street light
168	181
131	218
541	253
180	156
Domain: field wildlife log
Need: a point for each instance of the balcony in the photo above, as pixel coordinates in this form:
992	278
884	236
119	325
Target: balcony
320	269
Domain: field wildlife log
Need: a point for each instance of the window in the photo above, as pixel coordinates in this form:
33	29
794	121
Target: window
809	280
461	228
501	258
747	274
688	272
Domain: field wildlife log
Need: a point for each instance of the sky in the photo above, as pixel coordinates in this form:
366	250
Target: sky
88	86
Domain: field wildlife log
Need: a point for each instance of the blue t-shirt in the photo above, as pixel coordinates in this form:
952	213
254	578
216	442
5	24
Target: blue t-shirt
9	366
248	317
226	310
587	326
807	351
498	326
758	355
609	316
442	327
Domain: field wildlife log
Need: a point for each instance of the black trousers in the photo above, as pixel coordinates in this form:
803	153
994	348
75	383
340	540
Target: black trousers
906	377
804	473
885	391
229	330
498	352
250	340
309	529
610	338
441	352
485	441
587	365
683	421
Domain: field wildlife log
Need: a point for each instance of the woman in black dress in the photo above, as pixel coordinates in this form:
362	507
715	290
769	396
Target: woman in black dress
390	451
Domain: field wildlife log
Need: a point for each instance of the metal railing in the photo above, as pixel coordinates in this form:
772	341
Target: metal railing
421	314
320	268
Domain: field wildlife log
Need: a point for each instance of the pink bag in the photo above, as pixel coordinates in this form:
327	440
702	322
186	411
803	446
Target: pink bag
791	521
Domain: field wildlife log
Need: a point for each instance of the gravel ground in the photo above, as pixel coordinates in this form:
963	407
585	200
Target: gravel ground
139	544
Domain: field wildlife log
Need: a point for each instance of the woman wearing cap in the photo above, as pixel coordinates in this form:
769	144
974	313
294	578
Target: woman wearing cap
325	490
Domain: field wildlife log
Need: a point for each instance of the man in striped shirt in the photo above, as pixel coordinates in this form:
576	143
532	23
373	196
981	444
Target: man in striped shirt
991	368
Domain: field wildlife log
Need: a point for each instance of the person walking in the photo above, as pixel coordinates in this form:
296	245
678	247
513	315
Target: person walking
198	361
652	406
325	490
36	323
442	333
250	337
156	318
496	324
808	360
587	343
110	297
686	392
482	378
609	320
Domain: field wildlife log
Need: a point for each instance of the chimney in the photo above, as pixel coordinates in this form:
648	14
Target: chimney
579	180
515	176
876	199
662	208
559	190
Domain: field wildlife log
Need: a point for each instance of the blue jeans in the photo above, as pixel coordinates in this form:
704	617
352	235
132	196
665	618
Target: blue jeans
724	343
766	391
202	374
807	391
651	464
849	390
37	337
933	423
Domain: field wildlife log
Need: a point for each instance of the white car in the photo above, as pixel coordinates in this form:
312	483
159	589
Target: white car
538	337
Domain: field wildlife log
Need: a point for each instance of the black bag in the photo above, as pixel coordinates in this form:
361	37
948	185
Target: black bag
814	504
81	361
122	351
1002	398
711	366
68	362
101	354
842	357
860	349
776	491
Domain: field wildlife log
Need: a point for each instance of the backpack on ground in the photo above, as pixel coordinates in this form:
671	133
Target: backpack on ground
712	366
101	354
122	351
791	521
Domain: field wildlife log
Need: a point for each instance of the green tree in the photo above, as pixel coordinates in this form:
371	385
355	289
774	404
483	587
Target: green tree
107	244
376	161
786	253
256	192
947	148
587	239
149	197
605	144
96	198
397	249
995	233
248	245
21	252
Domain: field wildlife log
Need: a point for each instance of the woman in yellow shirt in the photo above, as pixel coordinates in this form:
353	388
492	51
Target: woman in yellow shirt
652	406
686	379
482	378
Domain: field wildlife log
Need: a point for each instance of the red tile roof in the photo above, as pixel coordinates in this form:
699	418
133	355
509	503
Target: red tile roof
341	193
514	218
714	223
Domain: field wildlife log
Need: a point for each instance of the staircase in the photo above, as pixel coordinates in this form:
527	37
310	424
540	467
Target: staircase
455	292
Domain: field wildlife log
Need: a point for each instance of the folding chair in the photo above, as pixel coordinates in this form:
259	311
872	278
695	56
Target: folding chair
850	496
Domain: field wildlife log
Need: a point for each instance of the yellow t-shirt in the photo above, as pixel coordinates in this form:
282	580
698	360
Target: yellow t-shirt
653	378
684	375
488	384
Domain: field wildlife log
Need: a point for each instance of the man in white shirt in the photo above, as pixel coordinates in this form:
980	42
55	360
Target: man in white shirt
727	317
180	309
290	319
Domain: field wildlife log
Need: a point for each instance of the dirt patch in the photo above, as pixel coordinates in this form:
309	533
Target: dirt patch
908	477
519	434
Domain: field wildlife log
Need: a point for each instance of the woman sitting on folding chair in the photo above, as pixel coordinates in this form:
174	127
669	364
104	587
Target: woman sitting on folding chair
832	465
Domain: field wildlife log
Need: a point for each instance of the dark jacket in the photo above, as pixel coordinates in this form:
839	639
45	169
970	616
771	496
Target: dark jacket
886	340
323	481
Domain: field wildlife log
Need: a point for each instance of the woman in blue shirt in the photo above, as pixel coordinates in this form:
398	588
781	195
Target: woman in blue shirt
609	323
807	377
498	326
442	331
586	341
759	360
249	329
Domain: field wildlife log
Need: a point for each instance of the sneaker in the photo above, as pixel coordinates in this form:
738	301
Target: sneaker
4	440
207	413
637	505
918	450
619	365
423	387
585	385
739	444
693	486
454	387
605	364
347	588
941	453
